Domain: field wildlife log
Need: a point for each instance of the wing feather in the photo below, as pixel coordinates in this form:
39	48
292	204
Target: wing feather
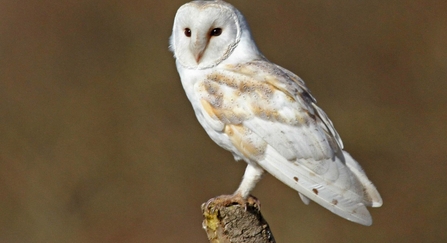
345	203
373	197
271	118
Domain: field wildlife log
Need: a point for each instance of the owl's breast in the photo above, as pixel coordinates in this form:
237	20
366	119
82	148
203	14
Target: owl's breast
191	80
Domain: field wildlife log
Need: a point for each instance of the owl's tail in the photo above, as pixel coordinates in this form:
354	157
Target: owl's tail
372	196
345	190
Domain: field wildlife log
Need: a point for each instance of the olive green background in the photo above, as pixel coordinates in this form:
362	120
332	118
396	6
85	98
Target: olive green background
98	142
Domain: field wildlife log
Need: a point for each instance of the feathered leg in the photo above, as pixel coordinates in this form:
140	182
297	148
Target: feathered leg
252	175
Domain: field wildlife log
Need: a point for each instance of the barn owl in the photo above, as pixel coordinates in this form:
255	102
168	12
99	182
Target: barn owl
264	114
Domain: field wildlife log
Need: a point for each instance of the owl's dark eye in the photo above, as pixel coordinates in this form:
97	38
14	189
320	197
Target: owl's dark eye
188	32
216	32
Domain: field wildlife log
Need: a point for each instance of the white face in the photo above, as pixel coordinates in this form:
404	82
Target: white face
204	34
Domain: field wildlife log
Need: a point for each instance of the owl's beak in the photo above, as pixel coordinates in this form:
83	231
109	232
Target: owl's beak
198	47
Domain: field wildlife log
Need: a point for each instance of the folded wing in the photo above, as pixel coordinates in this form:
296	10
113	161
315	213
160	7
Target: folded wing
271	119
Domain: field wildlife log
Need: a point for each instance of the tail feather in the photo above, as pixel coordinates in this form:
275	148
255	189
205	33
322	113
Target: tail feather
305	199
346	200
372	196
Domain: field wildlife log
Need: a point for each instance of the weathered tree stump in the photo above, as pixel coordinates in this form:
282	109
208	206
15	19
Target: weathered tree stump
235	223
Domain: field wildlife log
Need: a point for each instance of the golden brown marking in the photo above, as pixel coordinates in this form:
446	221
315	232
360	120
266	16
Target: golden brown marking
273	81
230	66
208	108
295	178
239	137
334	201
315	191
245	70
223	79
241	69
220	114
212	88
215	95
256	90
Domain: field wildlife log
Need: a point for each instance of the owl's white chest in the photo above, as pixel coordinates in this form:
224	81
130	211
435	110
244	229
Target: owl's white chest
190	79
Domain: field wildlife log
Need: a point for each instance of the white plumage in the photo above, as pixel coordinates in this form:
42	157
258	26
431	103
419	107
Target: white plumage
263	113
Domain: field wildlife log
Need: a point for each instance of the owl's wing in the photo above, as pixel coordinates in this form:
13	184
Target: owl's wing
271	118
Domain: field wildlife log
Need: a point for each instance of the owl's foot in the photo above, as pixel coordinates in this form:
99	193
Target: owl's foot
228	200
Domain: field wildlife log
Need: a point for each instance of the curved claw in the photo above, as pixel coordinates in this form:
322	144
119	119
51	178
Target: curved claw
228	200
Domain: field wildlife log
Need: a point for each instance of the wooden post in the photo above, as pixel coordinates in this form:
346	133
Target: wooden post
235	223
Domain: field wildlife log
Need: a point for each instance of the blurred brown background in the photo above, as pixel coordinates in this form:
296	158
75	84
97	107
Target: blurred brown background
98	142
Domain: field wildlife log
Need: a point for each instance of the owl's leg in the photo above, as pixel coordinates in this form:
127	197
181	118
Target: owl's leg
253	174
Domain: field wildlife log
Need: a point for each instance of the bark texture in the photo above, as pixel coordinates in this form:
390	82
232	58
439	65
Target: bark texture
235	223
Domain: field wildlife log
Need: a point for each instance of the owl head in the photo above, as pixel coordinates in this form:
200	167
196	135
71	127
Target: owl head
206	33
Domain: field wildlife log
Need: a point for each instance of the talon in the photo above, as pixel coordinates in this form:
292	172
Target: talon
252	200
228	200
